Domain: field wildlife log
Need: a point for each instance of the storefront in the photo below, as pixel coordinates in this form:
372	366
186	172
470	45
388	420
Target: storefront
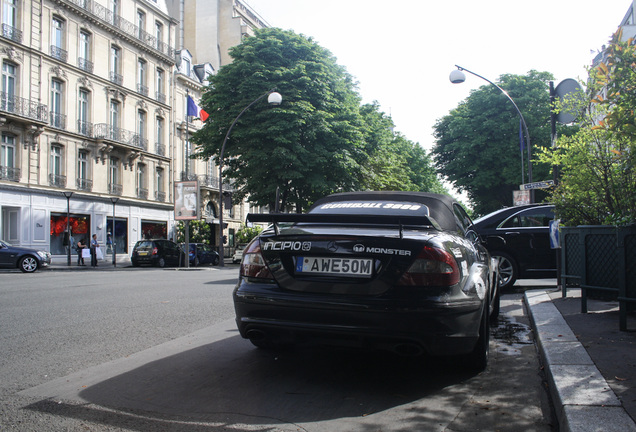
121	235
154	229
79	225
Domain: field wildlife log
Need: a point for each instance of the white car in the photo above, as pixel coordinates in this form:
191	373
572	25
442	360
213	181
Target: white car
238	254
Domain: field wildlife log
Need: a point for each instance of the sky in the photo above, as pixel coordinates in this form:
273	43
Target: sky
401	52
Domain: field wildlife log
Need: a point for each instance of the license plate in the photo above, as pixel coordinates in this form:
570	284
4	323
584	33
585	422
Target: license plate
335	266
143	253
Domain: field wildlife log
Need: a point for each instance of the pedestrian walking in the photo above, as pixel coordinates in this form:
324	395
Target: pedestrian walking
94	246
81	245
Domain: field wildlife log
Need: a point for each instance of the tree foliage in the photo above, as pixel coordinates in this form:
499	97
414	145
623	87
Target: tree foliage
199	231
477	145
597	178
320	140
246	234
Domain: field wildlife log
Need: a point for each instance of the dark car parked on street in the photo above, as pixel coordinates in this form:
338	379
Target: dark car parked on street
519	238
26	259
397	271
201	253
158	253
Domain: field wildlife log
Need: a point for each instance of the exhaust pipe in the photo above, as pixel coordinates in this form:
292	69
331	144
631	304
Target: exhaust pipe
408	349
255	335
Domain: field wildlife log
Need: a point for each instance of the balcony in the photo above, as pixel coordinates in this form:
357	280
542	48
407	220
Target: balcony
9	173
11	33
58	121
188	177
142	89
122	136
116	78
85	128
142	193
59	53
57	180
85	65
160	196
160	97
23	107
102	14
160	149
84	184
115	189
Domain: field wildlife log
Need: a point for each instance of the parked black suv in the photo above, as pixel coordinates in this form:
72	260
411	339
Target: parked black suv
519	238
159	253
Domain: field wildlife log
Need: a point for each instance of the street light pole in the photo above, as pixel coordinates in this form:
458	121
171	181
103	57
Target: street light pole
457	76
274	98
112	238
68	196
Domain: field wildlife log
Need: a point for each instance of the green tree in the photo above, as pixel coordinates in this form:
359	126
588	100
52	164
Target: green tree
477	145
199	231
306	146
597	165
246	234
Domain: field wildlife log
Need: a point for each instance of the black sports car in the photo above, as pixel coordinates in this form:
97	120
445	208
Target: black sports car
519	239
383	270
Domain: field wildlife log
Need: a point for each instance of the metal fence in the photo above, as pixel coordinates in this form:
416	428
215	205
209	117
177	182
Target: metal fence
601	260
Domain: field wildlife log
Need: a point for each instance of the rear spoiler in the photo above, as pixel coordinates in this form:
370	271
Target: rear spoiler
399	222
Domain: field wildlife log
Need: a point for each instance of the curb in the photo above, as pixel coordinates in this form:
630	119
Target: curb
582	399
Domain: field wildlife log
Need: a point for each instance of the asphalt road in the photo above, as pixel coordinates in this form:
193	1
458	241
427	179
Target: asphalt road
152	349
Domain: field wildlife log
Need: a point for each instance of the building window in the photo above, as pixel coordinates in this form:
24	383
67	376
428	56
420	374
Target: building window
186	66
115	65
141	77
10	20
141	24
161	192
161	148
83	181
57	39
56	175
7	154
7	100
84	60
114	186
84	127
114	119
141	129
114	10
160	96
142	187
57	117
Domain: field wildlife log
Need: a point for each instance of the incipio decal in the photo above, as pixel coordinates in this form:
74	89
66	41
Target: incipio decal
287	245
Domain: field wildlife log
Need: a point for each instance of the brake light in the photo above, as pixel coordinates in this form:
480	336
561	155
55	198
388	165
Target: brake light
253	264
432	267
155	251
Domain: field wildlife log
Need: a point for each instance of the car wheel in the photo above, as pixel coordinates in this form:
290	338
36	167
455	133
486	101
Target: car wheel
508	271
196	262
28	264
161	262
215	260
477	360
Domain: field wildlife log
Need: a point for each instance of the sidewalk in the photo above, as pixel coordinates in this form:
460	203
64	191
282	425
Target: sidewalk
122	264
590	364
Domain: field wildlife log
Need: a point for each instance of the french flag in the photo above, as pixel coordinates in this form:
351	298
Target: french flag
195	111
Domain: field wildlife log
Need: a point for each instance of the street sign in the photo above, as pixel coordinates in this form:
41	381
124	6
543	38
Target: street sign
537	185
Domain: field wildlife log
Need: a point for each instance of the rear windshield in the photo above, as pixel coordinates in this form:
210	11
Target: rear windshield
144	244
391	208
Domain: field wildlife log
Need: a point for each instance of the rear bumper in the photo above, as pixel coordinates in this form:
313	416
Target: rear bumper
407	325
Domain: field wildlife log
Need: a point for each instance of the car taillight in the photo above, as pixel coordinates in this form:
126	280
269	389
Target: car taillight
432	267
253	264
155	251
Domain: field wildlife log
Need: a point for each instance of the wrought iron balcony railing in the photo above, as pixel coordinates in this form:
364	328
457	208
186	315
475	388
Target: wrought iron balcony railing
85	128
23	107
58	120
84	184
102	13
59	53
57	180
115	189
142	89
9	173
105	131
160	196
142	193
160	97
11	33
116	78
85	65
160	149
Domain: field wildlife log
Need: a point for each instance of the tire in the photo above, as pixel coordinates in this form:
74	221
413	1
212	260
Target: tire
215	260
508	270
196	262
477	360
161	262
28	264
